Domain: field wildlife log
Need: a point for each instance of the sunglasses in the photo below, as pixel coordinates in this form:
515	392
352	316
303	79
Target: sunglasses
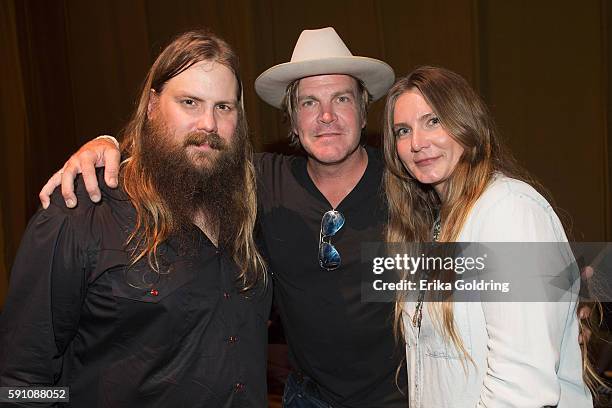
331	223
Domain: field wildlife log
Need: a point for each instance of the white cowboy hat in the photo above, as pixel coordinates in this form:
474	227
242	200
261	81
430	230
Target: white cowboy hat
322	52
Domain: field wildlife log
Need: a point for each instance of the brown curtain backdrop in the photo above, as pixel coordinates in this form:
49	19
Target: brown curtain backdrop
72	69
13	136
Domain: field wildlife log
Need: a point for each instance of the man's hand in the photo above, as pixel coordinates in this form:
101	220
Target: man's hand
96	153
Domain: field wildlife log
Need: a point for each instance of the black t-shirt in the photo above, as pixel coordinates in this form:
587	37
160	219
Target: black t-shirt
77	315
345	345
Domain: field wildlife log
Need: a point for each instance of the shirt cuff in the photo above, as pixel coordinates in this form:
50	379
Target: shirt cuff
110	138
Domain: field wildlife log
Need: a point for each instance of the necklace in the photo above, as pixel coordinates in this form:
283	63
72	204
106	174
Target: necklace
437	227
418	310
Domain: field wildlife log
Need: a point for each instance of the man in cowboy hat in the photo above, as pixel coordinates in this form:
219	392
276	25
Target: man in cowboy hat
314	213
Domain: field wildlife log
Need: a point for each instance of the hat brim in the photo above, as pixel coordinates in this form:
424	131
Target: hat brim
376	75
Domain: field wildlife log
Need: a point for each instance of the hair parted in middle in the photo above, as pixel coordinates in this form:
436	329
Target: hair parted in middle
413	206
154	220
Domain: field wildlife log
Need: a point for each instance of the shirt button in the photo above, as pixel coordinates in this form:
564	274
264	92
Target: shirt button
233	339
239	387
226	295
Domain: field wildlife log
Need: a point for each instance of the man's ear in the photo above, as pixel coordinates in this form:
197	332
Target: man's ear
153	101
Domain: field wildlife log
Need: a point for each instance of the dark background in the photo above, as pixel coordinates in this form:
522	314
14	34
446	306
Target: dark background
70	70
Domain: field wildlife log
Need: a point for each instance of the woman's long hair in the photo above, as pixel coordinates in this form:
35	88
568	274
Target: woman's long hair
154	220
413	206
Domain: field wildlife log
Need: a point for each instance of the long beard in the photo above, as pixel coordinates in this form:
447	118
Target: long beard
192	182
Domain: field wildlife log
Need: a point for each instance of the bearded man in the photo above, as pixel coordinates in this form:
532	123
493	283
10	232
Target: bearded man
157	295
314	214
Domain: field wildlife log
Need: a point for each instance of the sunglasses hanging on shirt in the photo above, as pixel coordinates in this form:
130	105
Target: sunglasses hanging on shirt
331	223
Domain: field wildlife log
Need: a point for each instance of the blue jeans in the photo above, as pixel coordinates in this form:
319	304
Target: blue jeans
302	392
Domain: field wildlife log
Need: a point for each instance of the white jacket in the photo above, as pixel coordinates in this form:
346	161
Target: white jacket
526	354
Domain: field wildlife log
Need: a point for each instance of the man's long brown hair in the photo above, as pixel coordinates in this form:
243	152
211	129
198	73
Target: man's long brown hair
413	206
154	220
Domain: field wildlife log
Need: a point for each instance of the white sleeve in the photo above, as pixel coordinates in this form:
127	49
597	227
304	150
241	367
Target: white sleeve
525	339
110	138
512	215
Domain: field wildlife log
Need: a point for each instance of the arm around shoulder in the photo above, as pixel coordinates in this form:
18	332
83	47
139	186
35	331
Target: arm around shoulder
102	151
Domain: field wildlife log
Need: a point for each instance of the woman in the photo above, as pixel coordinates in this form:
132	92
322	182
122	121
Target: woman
449	179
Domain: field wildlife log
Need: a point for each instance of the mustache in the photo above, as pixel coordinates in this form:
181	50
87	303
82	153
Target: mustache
328	129
211	139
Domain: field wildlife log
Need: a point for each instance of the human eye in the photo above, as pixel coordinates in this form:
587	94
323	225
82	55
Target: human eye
401	132
188	102
307	103
225	107
433	121
344	98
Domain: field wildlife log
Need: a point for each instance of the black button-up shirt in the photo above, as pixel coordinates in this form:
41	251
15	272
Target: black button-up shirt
78	315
